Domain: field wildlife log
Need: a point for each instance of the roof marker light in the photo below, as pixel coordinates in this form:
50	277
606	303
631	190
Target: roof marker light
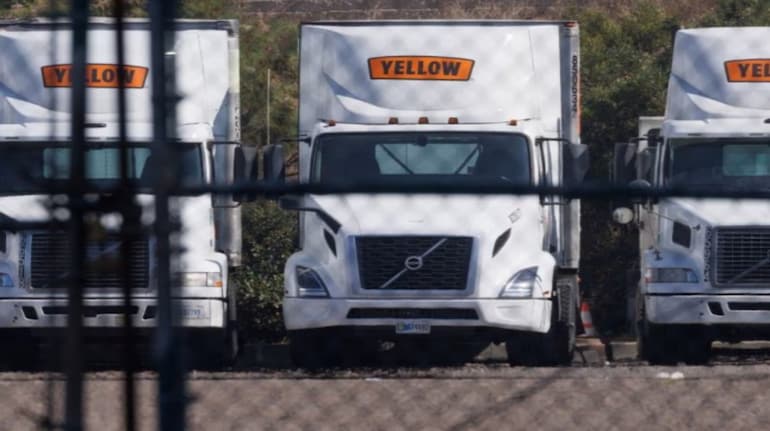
422	120
393	120
331	123
513	122
453	120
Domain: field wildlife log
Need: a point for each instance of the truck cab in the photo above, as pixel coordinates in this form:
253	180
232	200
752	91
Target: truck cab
35	173
385	254
704	271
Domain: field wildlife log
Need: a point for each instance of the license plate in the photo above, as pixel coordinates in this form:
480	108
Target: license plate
412	327
194	313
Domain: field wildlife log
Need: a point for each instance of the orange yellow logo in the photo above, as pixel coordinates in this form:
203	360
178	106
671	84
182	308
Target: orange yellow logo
754	70
97	75
421	68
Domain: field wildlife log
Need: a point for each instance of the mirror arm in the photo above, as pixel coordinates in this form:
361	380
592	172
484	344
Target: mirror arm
305	139
291	204
328	220
333	224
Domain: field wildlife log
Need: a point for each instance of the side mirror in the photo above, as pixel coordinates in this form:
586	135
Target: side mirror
292	203
304	139
576	163
301	203
624	163
273	164
642	186
245	170
246	167
644	164
623	215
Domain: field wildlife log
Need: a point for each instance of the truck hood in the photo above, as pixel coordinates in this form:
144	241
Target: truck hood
718	212
471	215
31	208
509	234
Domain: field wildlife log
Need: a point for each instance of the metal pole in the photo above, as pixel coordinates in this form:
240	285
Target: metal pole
128	232
267	113
74	352
171	384
53	344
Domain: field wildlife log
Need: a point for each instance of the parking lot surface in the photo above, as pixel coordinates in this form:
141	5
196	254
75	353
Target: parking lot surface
483	394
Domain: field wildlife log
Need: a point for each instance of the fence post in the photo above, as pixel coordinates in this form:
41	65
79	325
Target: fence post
74	337
171	374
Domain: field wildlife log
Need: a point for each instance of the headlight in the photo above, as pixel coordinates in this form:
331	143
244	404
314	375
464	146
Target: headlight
199	279
670	275
5	280
214	279
309	283
521	284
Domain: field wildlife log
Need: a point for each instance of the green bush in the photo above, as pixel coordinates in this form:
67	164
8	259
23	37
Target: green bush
625	64
269	235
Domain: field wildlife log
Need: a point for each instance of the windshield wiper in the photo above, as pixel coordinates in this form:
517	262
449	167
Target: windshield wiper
467	159
397	160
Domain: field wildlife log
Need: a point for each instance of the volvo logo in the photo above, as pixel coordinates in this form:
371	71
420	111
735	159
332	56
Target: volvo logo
413	263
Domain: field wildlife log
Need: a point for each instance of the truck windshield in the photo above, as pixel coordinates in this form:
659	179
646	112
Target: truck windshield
34	167
421	158
726	163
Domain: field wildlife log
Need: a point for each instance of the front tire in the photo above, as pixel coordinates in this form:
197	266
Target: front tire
233	342
554	348
208	349
314	349
669	344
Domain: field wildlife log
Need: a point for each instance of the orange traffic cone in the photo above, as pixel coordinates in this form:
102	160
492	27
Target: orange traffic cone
585	316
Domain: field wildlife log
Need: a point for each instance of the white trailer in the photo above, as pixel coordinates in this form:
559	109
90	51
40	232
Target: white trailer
35	94
402	104
705	271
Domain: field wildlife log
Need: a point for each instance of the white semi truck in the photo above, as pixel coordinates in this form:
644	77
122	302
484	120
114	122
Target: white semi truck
397	105
704	263
35	105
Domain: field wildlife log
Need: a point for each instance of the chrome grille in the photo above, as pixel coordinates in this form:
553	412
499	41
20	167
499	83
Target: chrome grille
50	262
381	262
738	250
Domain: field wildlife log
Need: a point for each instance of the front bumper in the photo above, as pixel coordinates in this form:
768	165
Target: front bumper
531	315
697	309
109	313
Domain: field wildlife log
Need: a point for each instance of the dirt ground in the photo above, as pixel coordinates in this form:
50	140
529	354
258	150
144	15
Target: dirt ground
487	395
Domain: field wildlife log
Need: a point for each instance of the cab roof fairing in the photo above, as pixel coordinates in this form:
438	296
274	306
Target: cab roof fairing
335	80
699	89
202	75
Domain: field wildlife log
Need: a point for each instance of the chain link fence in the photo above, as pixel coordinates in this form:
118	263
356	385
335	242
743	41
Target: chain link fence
410	259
